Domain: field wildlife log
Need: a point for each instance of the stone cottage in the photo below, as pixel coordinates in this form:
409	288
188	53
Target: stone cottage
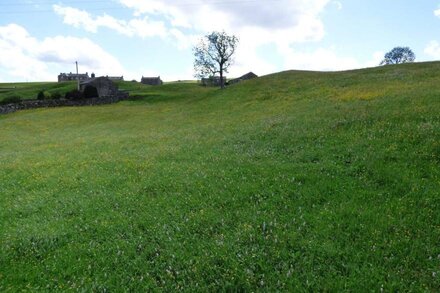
151	80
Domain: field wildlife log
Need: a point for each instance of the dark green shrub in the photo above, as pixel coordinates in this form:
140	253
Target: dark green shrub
40	95
74	95
10	100
56	96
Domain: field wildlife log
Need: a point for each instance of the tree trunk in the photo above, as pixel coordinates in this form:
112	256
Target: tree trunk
222	83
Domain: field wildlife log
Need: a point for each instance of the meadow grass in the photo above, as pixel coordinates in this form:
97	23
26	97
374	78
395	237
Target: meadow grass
29	90
297	181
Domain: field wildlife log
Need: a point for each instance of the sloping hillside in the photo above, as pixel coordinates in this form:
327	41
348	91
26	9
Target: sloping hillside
293	181
29	90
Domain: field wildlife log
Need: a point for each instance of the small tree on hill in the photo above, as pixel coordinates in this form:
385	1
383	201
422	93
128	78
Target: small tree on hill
214	55
399	55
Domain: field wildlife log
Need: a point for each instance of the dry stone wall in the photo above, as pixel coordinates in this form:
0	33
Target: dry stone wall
33	104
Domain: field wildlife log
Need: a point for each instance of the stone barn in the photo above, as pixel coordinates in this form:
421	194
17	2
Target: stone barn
99	87
212	81
151	80
247	76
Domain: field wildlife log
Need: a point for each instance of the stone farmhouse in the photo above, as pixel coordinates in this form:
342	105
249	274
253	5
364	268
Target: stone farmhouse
151	80
83	77
73	76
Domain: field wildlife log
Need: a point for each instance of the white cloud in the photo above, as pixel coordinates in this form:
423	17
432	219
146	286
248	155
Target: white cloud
375	60
77	18
338	5
15	44
437	12
27	58
181	40
267	14
247	60
326	59
290	20
320	59
142	27
176	16
67	50
282	24
433	49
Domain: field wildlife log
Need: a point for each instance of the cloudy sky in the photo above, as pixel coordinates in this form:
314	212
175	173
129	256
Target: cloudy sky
41	38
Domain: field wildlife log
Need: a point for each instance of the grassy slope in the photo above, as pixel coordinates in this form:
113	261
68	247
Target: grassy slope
298	180
29	90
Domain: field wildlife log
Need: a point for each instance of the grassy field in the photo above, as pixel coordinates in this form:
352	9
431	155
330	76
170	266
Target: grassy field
29	90
297	181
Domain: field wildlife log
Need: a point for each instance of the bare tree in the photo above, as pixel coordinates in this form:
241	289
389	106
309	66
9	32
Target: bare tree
214	55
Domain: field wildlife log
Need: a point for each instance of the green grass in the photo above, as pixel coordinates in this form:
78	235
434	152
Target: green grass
29	90
297	181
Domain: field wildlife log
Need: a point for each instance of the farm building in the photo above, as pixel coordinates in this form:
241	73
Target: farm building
115	77
99	87
73	76
247	76
151	80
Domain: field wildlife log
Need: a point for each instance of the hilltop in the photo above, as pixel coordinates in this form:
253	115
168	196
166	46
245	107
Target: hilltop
293	181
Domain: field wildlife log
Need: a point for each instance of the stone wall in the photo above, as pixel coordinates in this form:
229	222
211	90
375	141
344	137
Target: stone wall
33	104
